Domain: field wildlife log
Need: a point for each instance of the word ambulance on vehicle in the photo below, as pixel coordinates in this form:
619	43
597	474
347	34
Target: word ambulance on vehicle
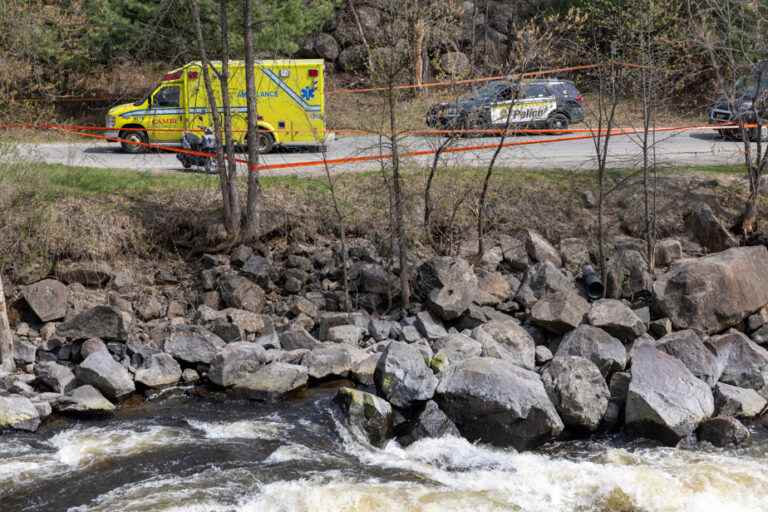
290	106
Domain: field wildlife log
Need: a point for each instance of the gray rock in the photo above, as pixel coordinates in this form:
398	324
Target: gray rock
368	416
193	344
578	392
85	399
403	377
688	347
575	253
559	312
430	423
105	322
47	298
353	58
507	340
448	286
495	402
105	374
543	355
455	347
738	402
92	345
615	318
539	250
455	64
760	336
428	326
665	400
326	47
347	334
667	251
149	307
545	278
18	412
190	376
660	328
410	334
514	252
247	321
756	321
272	381
297	338
258	268
598	346
707	229
162	370
743	362
379	329
241	293
328	360
363	371
729	286
627	275
493	288
235	362
328	320
723	431
24	352
58	378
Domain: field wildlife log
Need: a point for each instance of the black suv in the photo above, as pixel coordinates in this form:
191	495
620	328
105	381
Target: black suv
554	104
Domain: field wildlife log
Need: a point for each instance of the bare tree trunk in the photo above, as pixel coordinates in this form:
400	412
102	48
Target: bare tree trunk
253	205
405	288
428	207
234	195
342	231
6	336
420	32
215	119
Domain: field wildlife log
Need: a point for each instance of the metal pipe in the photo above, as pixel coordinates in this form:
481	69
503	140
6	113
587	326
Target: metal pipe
592	283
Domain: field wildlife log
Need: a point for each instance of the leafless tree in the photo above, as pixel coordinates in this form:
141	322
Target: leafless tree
6	336
254	200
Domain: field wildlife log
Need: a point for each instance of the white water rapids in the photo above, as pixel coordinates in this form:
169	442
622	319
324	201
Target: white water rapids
293	472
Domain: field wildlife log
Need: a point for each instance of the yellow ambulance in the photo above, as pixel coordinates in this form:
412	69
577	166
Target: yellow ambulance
290	106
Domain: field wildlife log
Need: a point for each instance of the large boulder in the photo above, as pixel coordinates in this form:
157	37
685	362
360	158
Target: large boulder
161	370
47	298
272	381
58	378
455	64
559	312
402	376
723	431
546	278
453	348
105	374
496	402
578	391
708	230
539	249
665	400
615	318
328	360
715	292
367	415
507	340
236	362
744	363
431	422
193	344
18	412
85	399
297	338
242	293
105	322
448	286
598	346
688	347
739	402
326	47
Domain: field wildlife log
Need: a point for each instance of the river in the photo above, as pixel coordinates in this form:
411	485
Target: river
184	452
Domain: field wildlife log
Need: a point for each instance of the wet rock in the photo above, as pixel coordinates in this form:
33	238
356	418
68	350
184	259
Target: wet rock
84	399
592	343
665	400
241	293
738	402
105	374
367	415
578	392
347	334
615	318
495	402
447	285
328	360
559	312
723	431
743	362
430	423
193	344
272	381
161	370
688	347
47	298
18	412
105	322
429	326
403	377
715	292
708	230
58	378
507	340
235	362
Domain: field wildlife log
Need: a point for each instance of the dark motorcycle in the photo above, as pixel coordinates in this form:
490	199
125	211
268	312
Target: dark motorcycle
204	144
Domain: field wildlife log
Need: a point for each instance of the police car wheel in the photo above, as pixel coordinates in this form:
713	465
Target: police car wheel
557	122
137	137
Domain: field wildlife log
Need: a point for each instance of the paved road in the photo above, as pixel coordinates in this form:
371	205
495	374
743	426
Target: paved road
681	148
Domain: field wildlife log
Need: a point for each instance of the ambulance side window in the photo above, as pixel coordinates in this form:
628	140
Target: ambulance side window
167	97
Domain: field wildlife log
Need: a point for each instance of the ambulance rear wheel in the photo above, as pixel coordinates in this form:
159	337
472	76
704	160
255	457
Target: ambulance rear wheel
133	141
265	142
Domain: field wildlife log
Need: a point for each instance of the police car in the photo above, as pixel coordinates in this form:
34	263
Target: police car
553	104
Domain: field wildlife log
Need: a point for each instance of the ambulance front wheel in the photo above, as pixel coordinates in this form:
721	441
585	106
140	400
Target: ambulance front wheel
133	141
265	142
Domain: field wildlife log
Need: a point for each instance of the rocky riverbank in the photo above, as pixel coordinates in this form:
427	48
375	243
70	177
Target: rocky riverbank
505	349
